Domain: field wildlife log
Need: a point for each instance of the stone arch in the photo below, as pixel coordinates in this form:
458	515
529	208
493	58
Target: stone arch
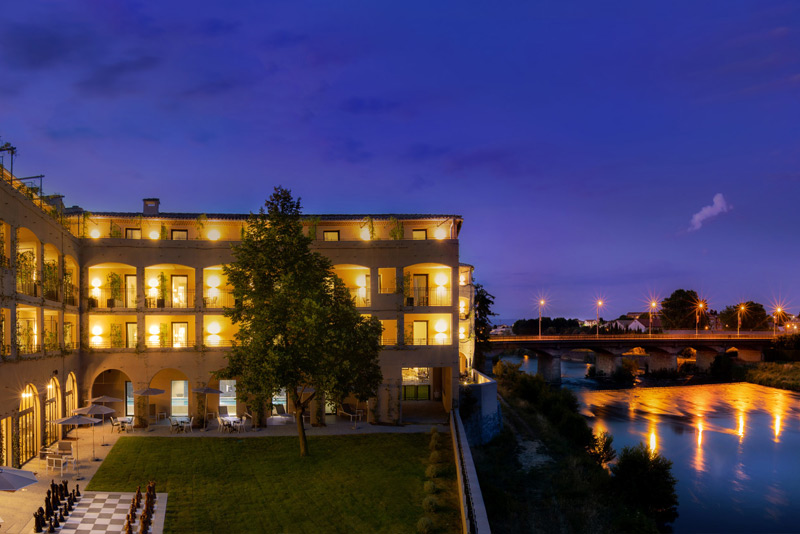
70	398
180	285
116	383
51	272
29	424
52	411
357	279
71	277
28	261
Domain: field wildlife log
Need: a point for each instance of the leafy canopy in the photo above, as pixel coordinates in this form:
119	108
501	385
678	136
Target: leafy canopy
754	317
678	311
299	329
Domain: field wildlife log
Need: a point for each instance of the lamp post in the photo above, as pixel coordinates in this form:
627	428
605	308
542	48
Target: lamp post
597	317
739	316
653	305
778	311
700	306
541	303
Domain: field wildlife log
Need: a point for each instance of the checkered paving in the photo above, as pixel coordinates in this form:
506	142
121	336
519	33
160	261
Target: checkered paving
100	512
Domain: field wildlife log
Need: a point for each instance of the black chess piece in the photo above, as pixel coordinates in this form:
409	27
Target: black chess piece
78	490
51	528
37	522
64	489
48	508
61	516
55	521
65	510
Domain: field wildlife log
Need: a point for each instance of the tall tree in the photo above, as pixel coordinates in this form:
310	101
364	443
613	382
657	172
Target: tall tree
483	324
679	310
299	329
754	317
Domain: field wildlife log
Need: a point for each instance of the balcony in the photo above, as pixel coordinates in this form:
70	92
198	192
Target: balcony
428	296
177	300
360	296
106	297
71	295
27	285
428	340
218	298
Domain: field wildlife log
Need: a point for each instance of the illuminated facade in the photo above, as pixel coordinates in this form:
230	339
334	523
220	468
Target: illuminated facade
107	303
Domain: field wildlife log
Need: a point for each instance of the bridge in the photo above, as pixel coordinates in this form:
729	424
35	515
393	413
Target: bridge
661	349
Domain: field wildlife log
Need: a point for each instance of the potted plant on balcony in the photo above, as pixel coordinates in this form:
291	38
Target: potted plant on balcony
162	290
116	335
115	289
408	291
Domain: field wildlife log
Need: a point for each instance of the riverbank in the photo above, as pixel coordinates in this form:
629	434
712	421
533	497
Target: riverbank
775	375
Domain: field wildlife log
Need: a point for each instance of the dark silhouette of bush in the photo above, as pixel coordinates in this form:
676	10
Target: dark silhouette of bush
644	481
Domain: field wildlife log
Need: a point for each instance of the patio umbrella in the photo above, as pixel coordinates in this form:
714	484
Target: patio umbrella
206	391
95	409
103	399
78	420
146	392
14	479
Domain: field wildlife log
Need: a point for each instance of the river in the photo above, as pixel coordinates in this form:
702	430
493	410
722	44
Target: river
735	448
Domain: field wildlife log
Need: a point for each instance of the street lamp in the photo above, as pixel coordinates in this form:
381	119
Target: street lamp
700	306
739	316
597	317
653	305
778	311
541	303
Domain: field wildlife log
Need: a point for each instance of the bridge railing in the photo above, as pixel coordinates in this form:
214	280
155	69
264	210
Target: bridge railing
642	337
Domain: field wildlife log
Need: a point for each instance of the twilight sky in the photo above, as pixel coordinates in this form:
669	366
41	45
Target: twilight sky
611	149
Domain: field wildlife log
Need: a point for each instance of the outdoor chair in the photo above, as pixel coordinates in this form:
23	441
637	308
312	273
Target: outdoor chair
115	424
55	462
187	426
245	417
349	411
224	426
174	425
65	447
280	409
223	411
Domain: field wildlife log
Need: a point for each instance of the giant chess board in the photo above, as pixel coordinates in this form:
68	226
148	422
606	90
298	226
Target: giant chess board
101	512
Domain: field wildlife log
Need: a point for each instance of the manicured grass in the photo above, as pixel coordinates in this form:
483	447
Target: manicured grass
776	375
349	484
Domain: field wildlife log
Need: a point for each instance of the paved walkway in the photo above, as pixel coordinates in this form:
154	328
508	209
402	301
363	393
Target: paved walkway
16	509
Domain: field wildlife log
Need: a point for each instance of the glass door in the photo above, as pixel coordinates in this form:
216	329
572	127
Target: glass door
420	285
130	290
420	333
180	291
180	397
129	399
130	335
180	335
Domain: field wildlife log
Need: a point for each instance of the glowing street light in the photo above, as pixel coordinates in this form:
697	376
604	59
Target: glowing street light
778	311
653	306
697	312
739	313
541	303
597	317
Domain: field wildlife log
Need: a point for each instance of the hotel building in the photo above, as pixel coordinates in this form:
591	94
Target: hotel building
106	303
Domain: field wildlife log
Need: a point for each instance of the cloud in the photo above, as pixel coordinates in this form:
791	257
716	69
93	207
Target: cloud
707	212
113	79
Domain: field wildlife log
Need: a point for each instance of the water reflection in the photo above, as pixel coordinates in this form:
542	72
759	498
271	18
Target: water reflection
732	446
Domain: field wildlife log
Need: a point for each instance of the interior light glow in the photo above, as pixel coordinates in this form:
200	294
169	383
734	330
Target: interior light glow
95	233
213	235
441	326
214	340
96	282
213	281
153	235
154	330
153	282
440	233
365	235
97	330
214	328
440	279
462	280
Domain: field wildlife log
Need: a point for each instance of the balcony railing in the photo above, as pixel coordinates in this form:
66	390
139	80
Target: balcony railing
430	340
27	286
167	343
29	348
220	343
219	299
106	343
361	296
177	300
104	297
429	296
387	290
71	295
51	292
388	341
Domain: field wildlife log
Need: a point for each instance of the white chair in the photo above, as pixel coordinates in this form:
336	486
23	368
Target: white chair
55	462
186	426
174	425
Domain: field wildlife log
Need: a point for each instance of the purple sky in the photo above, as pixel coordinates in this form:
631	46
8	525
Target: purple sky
586	145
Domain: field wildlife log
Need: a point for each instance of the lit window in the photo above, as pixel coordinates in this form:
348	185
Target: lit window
330	235
133	233
419	235
180	235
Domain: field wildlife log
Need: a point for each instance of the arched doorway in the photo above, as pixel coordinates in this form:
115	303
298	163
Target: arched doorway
70	399
52	411
29	417
115	383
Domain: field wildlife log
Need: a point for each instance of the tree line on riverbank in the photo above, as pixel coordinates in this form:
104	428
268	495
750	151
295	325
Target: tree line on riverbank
583	488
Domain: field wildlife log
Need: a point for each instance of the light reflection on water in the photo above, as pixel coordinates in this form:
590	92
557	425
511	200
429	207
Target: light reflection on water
734	447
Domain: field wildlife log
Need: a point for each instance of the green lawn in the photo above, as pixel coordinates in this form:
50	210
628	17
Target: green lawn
349	484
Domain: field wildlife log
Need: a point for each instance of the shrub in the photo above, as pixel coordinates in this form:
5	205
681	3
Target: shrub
644	481
433	471
430	487
430	503
425	525
625	373
601	449
436	457
435	441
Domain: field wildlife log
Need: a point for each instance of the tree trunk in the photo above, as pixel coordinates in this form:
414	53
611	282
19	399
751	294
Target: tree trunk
301	430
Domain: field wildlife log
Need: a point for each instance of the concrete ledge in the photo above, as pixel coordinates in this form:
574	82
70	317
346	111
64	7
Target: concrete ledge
474	519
